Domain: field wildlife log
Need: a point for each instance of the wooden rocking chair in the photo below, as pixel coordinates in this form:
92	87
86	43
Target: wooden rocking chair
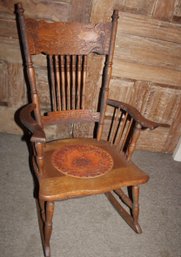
77	167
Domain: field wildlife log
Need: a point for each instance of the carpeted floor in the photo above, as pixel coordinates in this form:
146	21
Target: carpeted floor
89	227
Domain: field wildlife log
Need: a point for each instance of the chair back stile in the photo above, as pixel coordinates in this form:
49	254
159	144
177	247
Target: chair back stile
28	63
107	73
67	64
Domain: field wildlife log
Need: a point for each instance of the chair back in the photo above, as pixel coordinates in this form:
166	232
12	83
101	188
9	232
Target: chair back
67	47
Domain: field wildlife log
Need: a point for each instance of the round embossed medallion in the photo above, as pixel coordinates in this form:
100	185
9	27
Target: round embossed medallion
83	161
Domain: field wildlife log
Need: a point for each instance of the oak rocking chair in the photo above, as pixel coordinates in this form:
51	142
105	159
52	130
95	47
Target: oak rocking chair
77	167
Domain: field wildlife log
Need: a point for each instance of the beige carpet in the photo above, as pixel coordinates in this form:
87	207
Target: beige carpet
89	227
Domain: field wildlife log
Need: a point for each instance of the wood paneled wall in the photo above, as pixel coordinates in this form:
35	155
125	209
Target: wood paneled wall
147	63
13	92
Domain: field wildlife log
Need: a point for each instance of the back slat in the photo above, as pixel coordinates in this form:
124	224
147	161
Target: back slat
57	77
83	81
79	73
73	81
68	100
67	78
126	134
52	83
115	126
62	68
120	128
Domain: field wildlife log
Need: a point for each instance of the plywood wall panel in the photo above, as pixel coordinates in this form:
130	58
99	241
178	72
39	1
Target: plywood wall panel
93	81
177	11
77	8
164	9
139	6
16	85
157	102
148	51
174	132
145	72
145	26
8	29
101	9
155	140
50	10
122	90
3	83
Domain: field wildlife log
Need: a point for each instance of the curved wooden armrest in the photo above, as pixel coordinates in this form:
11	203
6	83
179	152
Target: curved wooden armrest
26	118
145	123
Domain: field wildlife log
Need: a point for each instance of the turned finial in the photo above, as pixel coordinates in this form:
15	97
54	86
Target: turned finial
115	15
19	8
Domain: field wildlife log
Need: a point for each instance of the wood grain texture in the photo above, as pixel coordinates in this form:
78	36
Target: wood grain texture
3	82
152	62
148	73
11	90
16	90
160	9
150	53
174	132
155	140
76	10
48	227
151	28
139	6
164	9
70	116
146	70
38	135
50	10
93	38
177	11
55	186
101	9
153	101
136	115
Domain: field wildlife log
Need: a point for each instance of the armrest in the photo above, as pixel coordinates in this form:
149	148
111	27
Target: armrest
27	120
145	123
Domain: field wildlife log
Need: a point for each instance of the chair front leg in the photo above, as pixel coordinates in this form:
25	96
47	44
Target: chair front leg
42	209
135	208
48	226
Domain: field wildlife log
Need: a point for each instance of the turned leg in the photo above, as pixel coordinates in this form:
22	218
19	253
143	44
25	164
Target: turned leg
48	226
42	209
135	208
41	218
